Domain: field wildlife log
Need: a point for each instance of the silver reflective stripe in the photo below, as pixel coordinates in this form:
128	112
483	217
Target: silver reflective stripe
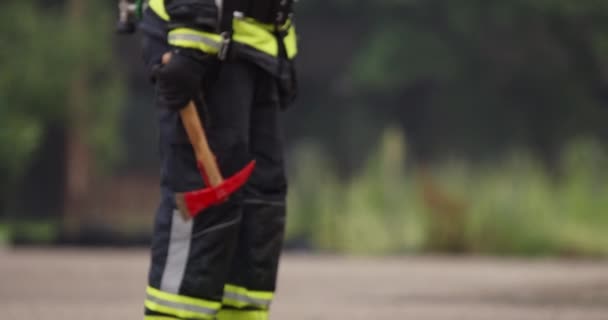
182	306
194	38
177	255
218	227
246	299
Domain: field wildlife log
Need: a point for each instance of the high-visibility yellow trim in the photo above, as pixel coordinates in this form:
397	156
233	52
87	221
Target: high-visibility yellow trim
247	31
189	38
291	43
263	295
158	6
255	35
227	314
261	36
234	303
183	299
240	304
159	318
154	306
240	297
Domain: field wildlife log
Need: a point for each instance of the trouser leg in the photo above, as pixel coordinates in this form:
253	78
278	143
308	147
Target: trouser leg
191	259
252	280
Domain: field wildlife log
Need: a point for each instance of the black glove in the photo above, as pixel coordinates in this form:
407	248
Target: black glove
181	79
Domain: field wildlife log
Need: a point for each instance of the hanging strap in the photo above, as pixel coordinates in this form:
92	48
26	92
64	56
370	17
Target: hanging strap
229	9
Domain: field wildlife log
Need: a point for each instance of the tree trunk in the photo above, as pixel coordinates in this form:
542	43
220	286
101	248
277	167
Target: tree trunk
78	159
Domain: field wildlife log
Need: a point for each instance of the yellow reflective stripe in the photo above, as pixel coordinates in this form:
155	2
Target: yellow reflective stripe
160	307
261	36
234	303
180	306
291	43
254	34
242	315
205	304
246	31
159	318
188	38
158	6
240	297
227	314
264	295
267	26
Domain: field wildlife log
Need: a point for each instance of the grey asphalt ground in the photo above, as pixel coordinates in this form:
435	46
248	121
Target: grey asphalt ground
82	284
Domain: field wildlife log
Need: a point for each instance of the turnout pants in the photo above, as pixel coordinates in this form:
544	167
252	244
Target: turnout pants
223	263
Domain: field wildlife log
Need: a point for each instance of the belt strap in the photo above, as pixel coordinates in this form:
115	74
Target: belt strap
229	8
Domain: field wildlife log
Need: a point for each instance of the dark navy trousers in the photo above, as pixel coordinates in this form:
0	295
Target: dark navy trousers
227	257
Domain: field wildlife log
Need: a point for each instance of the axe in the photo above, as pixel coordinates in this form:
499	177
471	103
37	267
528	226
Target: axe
218	189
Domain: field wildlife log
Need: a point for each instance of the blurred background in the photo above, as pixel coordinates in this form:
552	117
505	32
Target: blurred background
471	126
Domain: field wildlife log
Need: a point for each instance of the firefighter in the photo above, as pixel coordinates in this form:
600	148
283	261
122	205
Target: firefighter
234	58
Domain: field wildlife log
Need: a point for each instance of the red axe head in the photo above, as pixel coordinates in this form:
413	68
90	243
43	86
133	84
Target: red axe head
193	202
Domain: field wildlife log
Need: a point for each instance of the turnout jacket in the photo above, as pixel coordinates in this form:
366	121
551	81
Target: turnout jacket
267	40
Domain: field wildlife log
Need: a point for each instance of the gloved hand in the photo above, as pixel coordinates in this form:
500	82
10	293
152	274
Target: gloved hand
180	79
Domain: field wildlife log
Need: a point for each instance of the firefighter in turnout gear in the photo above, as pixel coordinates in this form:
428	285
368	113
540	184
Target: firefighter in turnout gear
234	59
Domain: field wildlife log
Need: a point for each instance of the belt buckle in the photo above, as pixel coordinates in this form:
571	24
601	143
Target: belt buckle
225	46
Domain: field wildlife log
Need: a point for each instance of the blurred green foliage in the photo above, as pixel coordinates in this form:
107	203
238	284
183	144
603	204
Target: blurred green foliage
470	76
493	97
42	51
376	211
31	232
495	92
5	235
512	205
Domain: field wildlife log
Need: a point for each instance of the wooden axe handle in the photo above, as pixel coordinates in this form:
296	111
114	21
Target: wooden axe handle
198	139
